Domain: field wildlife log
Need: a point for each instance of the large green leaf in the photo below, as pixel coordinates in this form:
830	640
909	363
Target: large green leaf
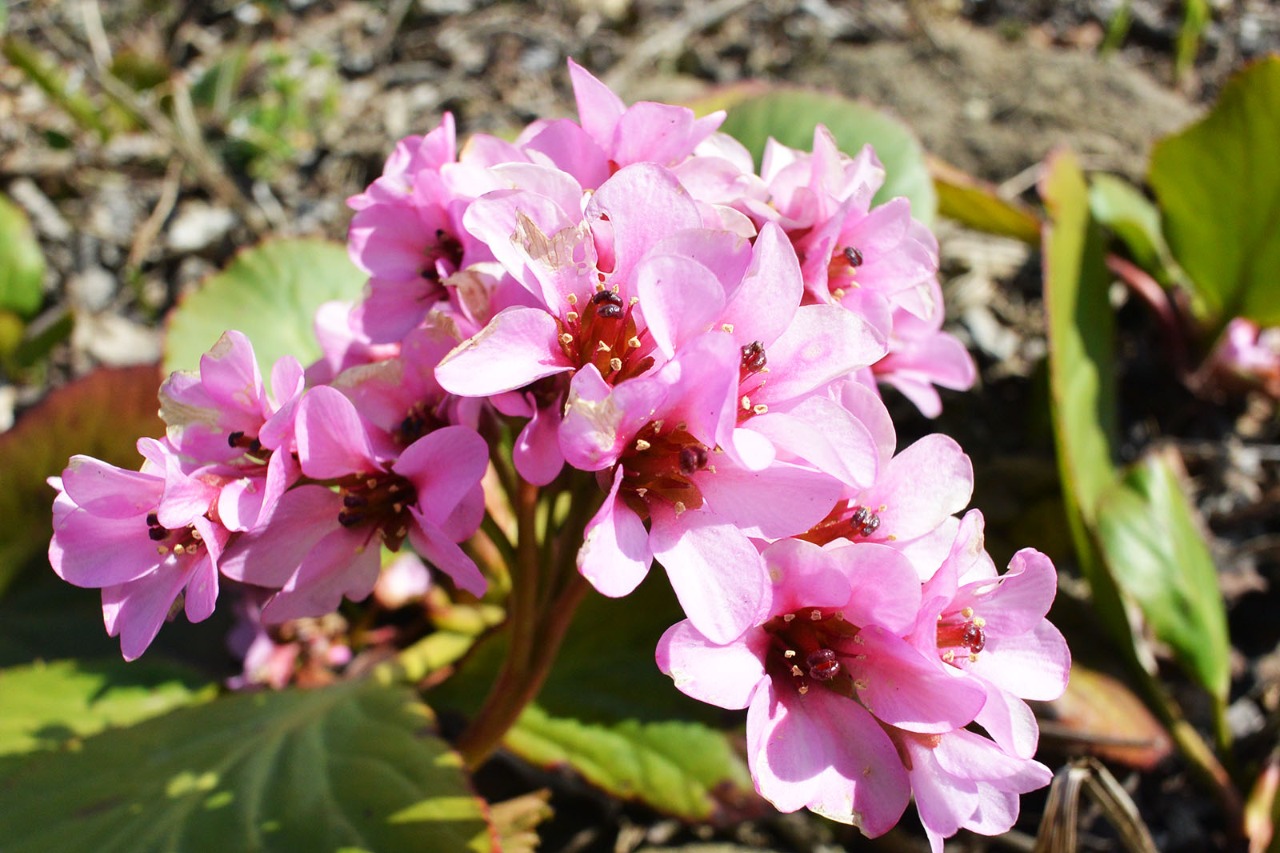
790	116
270	293
1158	556
101	415
21	262
46	705
1218	184
349	767
684	769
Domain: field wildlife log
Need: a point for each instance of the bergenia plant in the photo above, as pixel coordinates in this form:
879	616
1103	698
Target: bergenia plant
607	344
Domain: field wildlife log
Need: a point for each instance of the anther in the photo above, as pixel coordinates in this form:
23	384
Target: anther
572	299
633	342
642	445
679	507
615	364
789	653
759	408
815	615
787	617
566	338
728	327
601	346
571	316
797	671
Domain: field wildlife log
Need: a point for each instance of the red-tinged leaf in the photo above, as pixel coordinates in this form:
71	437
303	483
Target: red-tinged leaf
1099	715
102	415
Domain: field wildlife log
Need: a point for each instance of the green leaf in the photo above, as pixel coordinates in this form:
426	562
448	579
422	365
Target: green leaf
100	415
46	705
1120	207
349	767
977	205
790	116
1218	185
21	262
1081	337
1158	556
1082	387
684	769
271	293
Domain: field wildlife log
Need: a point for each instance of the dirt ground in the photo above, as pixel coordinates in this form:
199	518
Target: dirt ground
131	222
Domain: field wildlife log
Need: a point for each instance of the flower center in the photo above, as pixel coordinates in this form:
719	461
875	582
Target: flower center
445	252
961	635
814	646
380	502
661	463
604	333
846	521
843	269
180	541
420	420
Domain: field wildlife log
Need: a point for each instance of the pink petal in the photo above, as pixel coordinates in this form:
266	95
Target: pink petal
615	554
763	305
921	486
804	575
643	203
886	591
722	675
140	607
781	500
826	753
332	441
445	555
716	572
108	491
443	466
270	554
1010	722
537	453
517	347
822	343
1033	665
679	297
823	433
598	107
88	550
908	691
341	565
943	801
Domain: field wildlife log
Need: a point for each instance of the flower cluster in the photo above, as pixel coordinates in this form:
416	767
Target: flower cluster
638	310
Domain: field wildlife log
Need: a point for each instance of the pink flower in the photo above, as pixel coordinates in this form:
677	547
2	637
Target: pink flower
821	674
224	415
321	545
991	630
144	537
992	627
654	441
1249	355
407	233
